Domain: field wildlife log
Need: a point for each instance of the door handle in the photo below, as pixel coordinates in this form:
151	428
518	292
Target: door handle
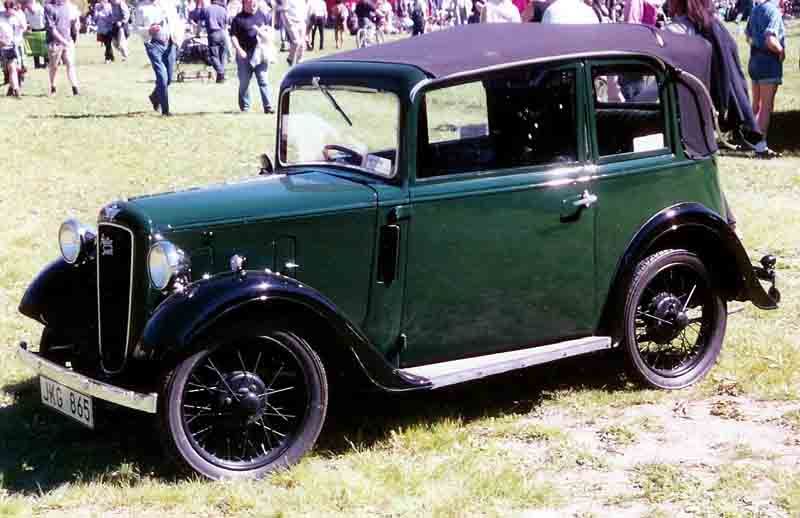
585	200
571	207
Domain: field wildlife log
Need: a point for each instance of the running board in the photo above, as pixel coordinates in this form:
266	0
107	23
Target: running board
458	371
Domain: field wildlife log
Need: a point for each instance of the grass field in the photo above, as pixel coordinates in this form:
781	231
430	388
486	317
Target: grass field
574	439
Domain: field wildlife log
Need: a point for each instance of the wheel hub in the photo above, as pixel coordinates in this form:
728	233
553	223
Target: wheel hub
670	318
248	398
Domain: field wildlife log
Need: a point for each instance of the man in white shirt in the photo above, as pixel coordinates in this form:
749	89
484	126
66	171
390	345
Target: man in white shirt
570	12
158	23
34	13
294	14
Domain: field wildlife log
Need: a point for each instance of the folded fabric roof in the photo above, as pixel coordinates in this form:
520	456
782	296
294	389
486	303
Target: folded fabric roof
471	48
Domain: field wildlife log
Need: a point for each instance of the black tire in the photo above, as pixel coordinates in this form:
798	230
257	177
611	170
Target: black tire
213	401
674	320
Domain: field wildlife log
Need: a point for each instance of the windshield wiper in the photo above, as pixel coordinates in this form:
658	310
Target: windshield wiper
316	83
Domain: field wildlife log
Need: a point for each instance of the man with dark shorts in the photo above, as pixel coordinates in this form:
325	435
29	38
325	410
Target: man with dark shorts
9	61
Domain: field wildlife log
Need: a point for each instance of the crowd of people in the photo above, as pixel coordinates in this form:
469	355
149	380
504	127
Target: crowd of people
51	29
248	33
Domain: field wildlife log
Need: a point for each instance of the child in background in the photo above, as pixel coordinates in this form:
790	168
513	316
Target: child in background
340	14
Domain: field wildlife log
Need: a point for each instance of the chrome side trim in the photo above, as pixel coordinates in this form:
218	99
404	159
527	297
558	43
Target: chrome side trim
130	298
85	385
458	371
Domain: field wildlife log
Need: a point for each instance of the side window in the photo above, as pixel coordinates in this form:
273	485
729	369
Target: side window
628	108
518	118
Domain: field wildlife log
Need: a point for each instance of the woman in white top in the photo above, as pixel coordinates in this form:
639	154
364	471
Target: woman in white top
500	11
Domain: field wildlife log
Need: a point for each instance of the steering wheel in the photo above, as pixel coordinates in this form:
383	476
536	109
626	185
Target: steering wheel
352	156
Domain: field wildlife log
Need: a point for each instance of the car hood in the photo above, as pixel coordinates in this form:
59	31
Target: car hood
264	197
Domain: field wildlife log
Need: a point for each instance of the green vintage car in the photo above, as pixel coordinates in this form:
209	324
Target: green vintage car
440	209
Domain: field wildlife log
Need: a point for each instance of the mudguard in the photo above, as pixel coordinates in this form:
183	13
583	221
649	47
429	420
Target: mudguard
64	297
180	319
711	235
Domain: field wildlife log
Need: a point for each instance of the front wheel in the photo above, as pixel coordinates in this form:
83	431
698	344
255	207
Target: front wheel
245	405
674	320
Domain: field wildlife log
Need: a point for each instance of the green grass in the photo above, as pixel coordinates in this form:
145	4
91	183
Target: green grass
618	435
660	483
789	493
456	452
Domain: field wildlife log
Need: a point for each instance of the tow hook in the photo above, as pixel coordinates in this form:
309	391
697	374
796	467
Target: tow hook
767	273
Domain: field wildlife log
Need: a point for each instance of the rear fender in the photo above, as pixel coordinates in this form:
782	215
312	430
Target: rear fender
175	329
694	227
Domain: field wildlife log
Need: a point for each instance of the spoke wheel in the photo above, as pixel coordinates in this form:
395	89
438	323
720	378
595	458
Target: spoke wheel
247	405
674	320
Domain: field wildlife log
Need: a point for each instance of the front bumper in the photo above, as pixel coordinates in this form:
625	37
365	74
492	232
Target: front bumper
85	385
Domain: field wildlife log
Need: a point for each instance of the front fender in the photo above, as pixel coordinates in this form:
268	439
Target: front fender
174	327
709	235
64	297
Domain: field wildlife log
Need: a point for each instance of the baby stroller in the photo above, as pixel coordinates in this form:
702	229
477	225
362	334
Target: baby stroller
193	51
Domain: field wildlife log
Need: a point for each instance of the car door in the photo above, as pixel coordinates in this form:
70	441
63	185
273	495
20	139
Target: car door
501	241
640	171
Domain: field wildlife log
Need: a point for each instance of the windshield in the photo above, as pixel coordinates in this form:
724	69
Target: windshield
349	126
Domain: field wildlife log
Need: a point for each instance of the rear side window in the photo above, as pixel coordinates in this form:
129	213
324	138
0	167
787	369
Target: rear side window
519	118
628	107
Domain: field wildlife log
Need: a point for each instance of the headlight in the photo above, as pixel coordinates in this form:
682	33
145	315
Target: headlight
75	241
165	262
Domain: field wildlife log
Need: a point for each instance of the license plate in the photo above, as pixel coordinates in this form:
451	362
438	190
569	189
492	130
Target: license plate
67	401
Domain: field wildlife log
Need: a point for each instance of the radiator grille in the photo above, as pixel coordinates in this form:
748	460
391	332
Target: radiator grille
115	259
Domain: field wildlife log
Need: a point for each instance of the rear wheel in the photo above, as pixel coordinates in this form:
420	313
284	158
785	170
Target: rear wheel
245	404
674	321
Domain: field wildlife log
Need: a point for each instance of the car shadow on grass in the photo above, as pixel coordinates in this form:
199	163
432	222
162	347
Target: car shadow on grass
41	450
783	135
368	419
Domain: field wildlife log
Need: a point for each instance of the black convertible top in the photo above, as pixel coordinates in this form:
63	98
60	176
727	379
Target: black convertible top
471	48
476	46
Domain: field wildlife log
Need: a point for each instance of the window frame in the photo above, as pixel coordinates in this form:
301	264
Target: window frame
284	109
582	144
665	102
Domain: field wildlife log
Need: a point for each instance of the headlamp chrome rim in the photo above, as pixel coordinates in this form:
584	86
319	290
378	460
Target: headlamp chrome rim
165	263
81	245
